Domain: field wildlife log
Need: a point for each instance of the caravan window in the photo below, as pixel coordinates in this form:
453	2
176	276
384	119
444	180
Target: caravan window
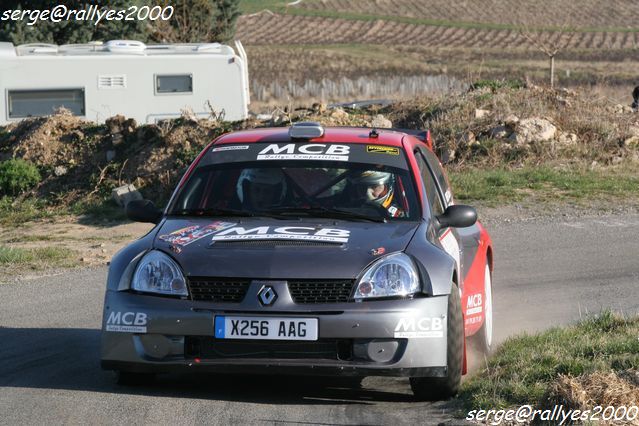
33	103
174	83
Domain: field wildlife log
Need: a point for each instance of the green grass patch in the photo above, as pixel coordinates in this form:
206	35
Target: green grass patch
523	368
99	210
543	184
37	258
15	213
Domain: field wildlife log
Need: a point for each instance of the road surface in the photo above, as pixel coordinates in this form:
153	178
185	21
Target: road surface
548	272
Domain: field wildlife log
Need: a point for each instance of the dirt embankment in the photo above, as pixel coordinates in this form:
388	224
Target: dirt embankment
495	124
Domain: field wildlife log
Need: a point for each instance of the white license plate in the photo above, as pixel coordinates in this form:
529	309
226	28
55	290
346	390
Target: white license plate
265	328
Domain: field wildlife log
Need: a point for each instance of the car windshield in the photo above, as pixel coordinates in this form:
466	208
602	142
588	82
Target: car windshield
291	189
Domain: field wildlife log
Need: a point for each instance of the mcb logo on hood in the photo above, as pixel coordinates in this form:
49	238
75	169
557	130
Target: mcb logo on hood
307	233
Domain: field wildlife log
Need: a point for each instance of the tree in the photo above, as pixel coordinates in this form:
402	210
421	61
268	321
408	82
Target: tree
196	21
71	31
548	41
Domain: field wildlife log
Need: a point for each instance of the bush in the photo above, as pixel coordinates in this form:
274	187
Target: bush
498	84
17	176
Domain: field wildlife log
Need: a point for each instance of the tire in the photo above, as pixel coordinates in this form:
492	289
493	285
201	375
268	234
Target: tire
127	378
483	339
435	388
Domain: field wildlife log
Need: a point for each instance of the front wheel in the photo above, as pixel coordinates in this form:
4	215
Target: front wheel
483	339
434	388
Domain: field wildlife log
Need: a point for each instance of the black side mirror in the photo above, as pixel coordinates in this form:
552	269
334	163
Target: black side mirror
143	211
457	216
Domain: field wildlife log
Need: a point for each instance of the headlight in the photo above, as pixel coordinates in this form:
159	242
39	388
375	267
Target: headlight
393	275
158	273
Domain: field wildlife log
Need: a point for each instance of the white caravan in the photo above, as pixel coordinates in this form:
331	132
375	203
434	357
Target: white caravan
99	80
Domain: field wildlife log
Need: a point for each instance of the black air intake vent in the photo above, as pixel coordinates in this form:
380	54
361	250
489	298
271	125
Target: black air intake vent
320	291
218	289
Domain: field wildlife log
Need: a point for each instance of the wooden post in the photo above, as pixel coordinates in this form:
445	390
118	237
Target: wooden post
552	71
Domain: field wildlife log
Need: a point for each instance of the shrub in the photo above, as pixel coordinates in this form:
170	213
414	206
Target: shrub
498	84
17	176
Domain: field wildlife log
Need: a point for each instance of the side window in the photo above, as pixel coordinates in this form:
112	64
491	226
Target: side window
34	103
434	200
436	167
177	83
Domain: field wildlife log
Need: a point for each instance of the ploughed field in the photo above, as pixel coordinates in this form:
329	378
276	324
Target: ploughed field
540	13
266	28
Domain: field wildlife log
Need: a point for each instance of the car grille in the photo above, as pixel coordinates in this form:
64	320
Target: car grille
210	348
320	291
233	290
218	289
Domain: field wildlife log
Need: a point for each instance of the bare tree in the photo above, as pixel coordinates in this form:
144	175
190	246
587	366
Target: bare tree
549	41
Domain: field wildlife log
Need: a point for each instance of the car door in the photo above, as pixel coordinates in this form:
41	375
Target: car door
469	241
446	237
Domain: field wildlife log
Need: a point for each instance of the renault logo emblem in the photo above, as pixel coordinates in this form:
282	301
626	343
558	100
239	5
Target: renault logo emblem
267	295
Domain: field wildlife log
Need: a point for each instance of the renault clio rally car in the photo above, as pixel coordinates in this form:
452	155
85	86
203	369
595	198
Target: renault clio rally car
304	250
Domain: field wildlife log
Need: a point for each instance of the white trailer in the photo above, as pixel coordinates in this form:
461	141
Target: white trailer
99	80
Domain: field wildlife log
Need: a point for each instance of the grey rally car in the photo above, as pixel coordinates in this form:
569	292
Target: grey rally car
304	250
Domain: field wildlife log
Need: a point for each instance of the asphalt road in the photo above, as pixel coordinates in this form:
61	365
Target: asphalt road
548	272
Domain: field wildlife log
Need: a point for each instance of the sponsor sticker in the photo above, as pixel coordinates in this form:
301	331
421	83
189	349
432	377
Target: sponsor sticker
379	149
426	327
304	233
127	322
313	151
449	196
185	236
474	304
450	245
230	148
378	251
472	320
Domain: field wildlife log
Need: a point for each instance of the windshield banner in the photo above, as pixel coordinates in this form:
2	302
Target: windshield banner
353	153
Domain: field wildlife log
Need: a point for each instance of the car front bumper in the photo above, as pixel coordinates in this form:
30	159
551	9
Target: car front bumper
404	337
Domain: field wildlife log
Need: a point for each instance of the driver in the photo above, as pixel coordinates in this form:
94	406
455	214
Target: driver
261	189
376	187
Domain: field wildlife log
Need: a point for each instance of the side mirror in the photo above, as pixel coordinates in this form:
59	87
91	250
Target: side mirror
143	211
457	216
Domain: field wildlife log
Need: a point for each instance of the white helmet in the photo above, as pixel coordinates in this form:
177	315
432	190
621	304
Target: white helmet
369	178
270	176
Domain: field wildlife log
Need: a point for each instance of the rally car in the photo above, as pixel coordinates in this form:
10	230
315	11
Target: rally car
304	250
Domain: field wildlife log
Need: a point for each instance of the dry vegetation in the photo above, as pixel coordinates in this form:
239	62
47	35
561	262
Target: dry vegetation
80	161
590	363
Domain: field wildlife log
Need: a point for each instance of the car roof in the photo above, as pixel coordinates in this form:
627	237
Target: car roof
331	135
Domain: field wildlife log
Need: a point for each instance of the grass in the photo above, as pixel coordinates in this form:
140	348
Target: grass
104	209
544	185
16	213
524	368
37	258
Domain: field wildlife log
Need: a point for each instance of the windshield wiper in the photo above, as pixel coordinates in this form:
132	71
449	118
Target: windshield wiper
325	213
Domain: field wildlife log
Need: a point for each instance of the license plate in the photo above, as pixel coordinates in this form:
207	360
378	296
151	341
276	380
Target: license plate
266	328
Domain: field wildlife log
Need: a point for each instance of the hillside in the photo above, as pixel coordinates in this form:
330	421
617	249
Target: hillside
339	50
584	15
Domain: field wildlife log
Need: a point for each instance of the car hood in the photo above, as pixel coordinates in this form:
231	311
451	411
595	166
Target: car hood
265	248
